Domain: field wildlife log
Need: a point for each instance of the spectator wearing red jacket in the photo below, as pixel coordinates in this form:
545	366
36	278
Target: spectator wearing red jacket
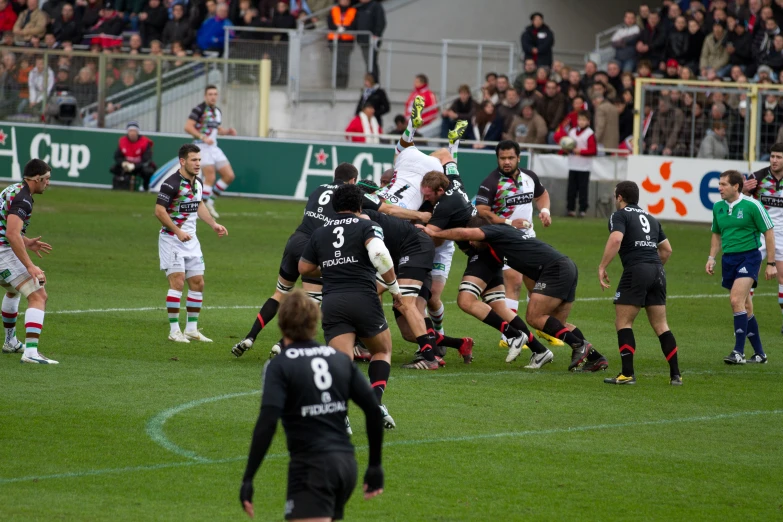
570	120
580	163
421	88
7	16
365	123
133	156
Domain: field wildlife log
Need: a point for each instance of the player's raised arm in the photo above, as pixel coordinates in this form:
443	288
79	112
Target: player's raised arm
205	216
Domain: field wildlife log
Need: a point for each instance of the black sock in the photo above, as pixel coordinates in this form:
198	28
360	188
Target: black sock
426	347
593	354
669	348
627	343
440	351
577	332
497	322
266	314
556	329
378	372
532	343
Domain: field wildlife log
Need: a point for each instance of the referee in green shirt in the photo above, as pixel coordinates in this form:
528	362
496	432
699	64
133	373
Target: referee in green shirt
737	223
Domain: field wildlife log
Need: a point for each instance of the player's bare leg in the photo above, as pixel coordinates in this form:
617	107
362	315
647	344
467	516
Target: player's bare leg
193	307
344	343
415	121
471	300
550	315
425	355
657	317
208	171
173	302
11	301
380	347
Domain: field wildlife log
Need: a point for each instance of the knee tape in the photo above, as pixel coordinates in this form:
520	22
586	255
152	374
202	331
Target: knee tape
470	288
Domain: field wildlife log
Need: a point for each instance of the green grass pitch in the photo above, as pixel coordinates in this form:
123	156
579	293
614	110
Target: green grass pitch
133	427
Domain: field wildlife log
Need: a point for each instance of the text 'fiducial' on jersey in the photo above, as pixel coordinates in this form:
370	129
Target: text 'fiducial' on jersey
641	235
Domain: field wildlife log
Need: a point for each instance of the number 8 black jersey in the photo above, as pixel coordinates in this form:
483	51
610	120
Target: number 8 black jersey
641	235
339	249
318	209
311	384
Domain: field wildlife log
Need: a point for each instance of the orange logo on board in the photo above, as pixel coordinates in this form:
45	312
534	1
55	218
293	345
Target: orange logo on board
649	186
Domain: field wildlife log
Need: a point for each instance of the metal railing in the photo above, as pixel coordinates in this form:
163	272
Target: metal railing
500	56
695	111
604	38
108	90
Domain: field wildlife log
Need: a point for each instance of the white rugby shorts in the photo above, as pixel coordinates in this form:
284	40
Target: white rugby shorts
778	245
441	265
212	155
13	273
178	257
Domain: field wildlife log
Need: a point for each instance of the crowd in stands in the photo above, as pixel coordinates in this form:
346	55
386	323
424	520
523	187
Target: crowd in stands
132	30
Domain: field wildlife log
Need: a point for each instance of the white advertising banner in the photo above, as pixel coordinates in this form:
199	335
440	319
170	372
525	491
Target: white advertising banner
681	189
605	168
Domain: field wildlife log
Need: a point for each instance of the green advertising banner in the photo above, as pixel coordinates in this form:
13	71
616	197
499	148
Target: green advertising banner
287	169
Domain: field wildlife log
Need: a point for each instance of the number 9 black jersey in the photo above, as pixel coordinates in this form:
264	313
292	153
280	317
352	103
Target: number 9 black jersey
339	249
641	235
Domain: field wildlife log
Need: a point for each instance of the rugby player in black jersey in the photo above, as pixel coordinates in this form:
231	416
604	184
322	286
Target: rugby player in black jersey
317	211
554	273
644	249
412	252
346	253
308	387
481	292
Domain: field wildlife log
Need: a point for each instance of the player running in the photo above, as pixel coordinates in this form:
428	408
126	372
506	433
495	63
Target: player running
205	125
766	186
20	276
643	249
346	253
318	211
737	223
555	277
506	194
309	387
179	204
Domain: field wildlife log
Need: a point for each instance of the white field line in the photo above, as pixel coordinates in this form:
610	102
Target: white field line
254	307
466	438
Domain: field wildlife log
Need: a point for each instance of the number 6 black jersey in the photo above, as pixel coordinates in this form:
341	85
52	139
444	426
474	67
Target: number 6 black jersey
641	235
339	249
318	209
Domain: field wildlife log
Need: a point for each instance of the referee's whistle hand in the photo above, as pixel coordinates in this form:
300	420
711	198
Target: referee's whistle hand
771	272
710	267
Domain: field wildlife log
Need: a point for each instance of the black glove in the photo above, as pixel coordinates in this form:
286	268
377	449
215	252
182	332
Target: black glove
246	493
373	478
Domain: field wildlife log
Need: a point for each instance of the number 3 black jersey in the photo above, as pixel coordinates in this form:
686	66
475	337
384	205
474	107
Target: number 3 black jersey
641	235
339	249
312	384
318	209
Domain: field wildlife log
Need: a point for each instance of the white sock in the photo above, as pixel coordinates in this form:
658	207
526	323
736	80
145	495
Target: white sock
173	299
10	313
437	317
33	324
219	188
206	193
512	304
194	308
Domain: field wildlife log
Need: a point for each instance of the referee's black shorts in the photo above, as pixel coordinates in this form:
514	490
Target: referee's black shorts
558	279
319	486
352	312
642	285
